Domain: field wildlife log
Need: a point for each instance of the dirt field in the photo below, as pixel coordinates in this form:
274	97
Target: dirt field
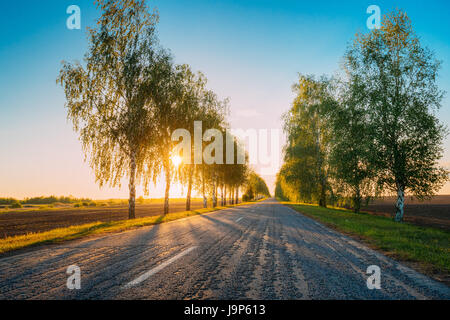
19	223
434	213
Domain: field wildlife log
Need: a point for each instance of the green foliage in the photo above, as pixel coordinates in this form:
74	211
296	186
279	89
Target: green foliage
256	188
15	205
372	131
52	200
279	194
48	201
109	99
248	195
399	77
351	165
304	174
128	97
7	201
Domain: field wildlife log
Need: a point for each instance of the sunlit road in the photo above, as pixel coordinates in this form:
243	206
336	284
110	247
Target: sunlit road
262	251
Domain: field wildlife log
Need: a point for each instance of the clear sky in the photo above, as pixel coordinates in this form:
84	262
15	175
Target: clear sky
251	52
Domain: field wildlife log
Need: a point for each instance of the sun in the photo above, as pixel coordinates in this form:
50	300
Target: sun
176	160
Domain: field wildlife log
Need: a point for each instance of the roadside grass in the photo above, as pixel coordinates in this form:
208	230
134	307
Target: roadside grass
75	232
427	246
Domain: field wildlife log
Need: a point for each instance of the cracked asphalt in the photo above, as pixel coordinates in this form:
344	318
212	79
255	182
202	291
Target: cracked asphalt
260	251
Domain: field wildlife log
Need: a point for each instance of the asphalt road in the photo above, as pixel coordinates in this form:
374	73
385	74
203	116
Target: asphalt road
262	251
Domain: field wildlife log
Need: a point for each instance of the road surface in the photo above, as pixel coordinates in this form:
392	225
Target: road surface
260	251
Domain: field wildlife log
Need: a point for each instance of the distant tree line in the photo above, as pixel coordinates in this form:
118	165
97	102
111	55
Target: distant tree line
129	96
256	188
43	200
13	203
372	129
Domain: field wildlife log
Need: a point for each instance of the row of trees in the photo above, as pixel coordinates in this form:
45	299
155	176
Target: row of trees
256	188
372	129
128	98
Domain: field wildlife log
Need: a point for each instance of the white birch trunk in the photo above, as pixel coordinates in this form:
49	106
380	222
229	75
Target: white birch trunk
223	195
214	197
132	187
166	196
188	197
205	200
399	207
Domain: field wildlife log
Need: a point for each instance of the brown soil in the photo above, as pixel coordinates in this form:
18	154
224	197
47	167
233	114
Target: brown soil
431	213
19	223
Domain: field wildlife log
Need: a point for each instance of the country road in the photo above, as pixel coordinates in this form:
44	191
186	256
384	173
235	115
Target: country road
260	251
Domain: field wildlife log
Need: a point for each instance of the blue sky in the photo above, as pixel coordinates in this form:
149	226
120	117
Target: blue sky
251	52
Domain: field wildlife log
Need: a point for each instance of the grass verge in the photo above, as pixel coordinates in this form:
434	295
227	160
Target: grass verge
76	232
428	247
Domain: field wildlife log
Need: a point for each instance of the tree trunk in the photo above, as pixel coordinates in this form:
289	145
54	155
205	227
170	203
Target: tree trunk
132	187
323	194
205	200
399	207
357	200
189	191
214	198
223	195
237	196
166	196
226	197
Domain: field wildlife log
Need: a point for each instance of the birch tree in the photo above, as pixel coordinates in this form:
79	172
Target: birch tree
351	155
400	82
107	97
214	113
255	187
308	132
191	110
166	93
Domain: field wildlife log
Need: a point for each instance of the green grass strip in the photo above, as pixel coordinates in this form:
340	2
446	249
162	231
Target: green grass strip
428	246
